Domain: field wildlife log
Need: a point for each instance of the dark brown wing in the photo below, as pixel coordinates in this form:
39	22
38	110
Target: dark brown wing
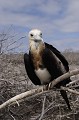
30	70
59	55
54	68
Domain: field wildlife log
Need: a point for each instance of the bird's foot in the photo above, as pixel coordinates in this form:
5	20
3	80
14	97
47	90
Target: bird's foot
49	86
45	87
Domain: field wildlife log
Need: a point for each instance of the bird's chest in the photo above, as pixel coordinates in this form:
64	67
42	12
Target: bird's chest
37	59
40	70
43	75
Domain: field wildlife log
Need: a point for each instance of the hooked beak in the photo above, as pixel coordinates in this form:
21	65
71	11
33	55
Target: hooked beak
38	39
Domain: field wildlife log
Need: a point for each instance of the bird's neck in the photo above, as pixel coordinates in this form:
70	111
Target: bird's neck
36	47
36	53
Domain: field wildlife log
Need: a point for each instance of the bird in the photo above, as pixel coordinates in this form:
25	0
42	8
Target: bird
45	63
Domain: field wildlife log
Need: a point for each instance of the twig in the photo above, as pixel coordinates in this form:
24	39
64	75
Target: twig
43	108
72	83
69	90
40	89
13	117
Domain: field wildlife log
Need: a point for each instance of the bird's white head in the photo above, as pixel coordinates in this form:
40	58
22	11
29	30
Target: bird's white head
35	35
35	38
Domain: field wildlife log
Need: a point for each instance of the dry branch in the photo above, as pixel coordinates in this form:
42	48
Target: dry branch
43	108
75	83
21	96
69	90
62	77
40	89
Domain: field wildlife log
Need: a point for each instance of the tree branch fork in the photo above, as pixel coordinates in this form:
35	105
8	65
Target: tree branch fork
42	89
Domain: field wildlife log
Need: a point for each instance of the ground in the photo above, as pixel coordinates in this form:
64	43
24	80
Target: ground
14	80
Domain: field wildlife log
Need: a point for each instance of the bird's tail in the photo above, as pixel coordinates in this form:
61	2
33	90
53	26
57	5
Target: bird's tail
64	95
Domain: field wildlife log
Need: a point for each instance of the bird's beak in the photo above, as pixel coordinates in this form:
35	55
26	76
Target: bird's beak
38	39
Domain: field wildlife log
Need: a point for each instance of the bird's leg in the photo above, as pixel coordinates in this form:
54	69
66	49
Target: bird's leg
46	87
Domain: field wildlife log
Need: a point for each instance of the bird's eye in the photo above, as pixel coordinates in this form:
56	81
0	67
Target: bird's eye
31	35
41	34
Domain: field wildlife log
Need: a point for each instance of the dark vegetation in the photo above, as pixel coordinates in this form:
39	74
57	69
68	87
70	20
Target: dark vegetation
13	81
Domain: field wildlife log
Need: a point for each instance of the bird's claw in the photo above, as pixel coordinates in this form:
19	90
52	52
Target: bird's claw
49	86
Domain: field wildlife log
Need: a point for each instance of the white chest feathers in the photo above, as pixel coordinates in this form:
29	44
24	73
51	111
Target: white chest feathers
43	75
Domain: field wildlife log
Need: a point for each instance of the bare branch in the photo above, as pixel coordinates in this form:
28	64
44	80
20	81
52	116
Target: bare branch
41	89
9	41
21	96
69	90
62	77
43	108
75	82
14	47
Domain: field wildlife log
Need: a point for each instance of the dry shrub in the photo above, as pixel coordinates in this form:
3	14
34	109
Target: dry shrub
72	56
13	80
